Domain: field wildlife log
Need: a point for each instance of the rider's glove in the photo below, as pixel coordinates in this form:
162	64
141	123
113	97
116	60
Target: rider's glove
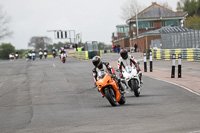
94	70
106	63
113	75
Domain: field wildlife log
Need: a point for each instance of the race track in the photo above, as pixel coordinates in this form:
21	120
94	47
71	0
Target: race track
47	96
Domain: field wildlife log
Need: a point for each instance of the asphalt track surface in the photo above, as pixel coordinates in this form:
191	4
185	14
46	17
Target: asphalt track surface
47	96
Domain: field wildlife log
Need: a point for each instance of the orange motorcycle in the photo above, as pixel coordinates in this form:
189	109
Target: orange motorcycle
109	88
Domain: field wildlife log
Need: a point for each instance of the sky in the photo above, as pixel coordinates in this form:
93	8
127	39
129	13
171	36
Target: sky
96	20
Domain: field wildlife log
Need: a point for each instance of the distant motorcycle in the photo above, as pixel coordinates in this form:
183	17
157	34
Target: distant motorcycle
131	80
11	56
40	54
16	56
33	56
45	55
54	54
63	57
29	56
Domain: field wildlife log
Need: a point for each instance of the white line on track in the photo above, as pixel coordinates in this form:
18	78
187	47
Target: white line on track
1	84
54	65
177	85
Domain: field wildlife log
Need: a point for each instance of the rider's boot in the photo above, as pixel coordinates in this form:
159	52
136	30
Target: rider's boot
121	88
140	77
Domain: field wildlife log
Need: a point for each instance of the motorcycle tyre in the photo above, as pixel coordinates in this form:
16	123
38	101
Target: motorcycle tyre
109	97
122	100
135	87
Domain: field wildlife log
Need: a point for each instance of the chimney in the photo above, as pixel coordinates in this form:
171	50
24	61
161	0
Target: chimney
154	3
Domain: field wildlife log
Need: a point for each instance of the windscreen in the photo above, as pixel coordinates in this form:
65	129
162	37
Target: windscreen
101	74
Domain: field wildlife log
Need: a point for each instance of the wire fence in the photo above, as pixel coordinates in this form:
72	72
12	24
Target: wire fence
177	38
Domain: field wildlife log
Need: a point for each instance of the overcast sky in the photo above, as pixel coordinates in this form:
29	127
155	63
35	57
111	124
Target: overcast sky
95	19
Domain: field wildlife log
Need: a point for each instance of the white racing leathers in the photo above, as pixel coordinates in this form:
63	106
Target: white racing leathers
130	74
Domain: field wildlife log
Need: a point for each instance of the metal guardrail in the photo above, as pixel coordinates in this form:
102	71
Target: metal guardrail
86	55
188	54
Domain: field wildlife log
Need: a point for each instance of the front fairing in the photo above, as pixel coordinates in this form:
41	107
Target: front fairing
129	73
105	82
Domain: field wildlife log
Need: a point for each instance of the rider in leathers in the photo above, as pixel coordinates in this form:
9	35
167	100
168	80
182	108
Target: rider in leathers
126	60
101	66
62	51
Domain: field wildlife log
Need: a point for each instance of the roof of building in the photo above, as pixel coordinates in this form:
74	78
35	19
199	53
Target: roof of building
122	25
157	11
167	29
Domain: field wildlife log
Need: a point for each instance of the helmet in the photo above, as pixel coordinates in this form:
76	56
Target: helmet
96	60
124	54
62	48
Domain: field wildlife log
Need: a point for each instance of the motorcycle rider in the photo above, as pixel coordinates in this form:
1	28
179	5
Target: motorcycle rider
40	50
16	55
99	66
33	54
45	50
30	54
62	50
53	50
125	60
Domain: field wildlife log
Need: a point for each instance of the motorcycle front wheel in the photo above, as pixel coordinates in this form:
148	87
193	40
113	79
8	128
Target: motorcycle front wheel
135	87
122	100
110	95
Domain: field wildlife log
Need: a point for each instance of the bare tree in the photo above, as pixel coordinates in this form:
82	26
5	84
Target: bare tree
129	9
166	5
4	20
180	5
39	42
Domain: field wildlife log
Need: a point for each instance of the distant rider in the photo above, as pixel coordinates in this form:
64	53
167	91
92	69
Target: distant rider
40	50
45	50
103	66
53	51
30	54
62	50
126	60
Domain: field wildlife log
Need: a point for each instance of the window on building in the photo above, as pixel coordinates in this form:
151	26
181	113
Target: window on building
151	24
170	22
123	29
146	24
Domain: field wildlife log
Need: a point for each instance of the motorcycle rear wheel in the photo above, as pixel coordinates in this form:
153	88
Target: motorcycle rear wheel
110	95
135	87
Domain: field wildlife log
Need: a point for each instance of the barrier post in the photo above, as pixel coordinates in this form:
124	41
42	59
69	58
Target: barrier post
173	65
179	65
145	62
151	62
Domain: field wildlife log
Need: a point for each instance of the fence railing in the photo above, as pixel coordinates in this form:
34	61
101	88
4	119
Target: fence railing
85	55
188	54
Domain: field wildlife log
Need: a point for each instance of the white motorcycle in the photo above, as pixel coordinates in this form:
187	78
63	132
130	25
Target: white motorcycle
45	55
40	54
63	57
131	80
33	56
16	56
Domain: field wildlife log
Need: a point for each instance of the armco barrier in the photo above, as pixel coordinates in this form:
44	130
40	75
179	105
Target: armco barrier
167	54
82	55
87	54
188	54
